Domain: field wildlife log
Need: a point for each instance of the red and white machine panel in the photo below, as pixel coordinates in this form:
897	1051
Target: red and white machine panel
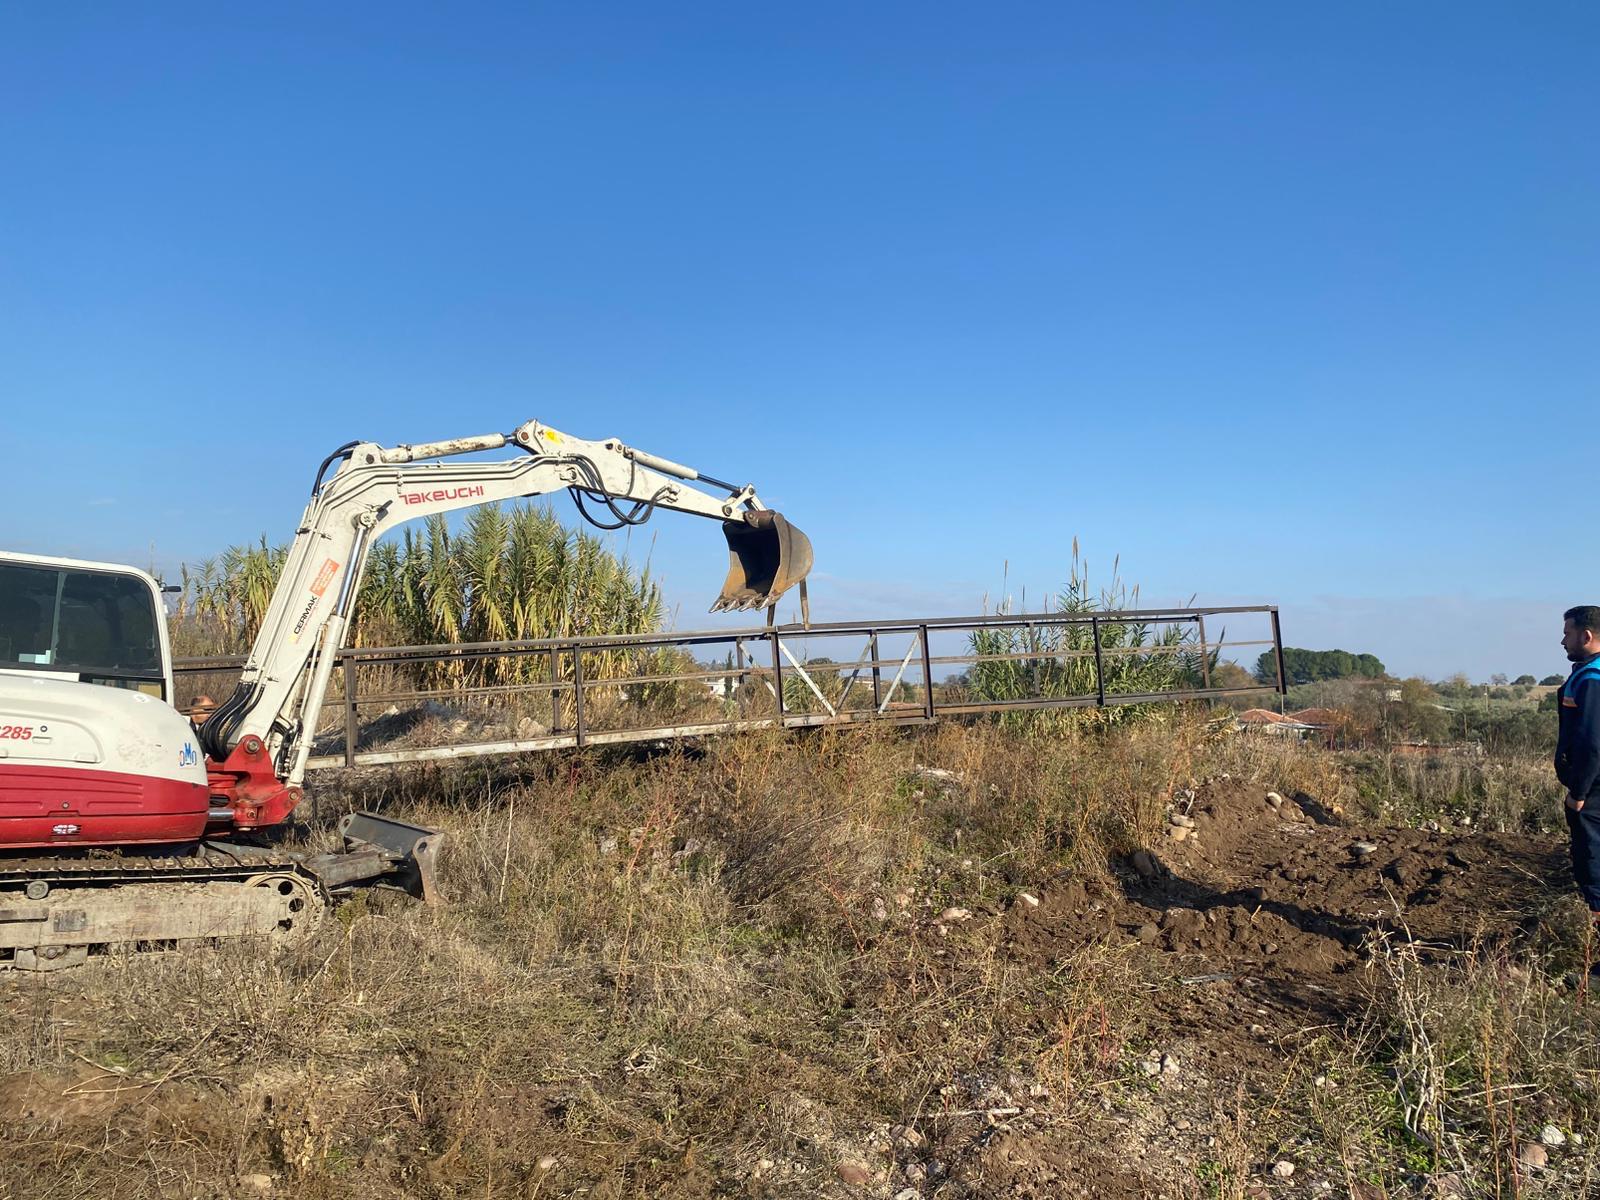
96	766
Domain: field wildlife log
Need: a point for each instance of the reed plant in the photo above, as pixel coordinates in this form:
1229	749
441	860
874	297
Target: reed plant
508	573
1058	661
223	599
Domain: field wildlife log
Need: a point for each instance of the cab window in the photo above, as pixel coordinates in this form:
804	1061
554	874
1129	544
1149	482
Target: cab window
101	624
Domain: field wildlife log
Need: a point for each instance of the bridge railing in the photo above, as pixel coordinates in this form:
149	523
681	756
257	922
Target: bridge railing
397	704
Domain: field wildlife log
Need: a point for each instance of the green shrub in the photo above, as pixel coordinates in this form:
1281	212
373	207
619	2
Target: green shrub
1057	662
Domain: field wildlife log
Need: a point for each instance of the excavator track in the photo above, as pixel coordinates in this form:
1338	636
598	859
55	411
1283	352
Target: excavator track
57	912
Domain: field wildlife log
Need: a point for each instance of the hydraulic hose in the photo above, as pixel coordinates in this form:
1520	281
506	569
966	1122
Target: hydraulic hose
341	453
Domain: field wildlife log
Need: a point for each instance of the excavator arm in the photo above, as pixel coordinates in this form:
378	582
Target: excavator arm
259	739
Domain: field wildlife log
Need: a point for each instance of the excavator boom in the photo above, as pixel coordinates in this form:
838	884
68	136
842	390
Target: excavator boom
259	739
123	817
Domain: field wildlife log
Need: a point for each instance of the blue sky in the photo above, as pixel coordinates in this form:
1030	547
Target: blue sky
1278	302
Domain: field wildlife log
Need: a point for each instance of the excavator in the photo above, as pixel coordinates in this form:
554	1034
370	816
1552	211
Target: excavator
124	827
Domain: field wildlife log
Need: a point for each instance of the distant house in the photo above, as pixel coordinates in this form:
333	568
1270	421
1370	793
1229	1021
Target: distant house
1261	716
1261	720
1322	718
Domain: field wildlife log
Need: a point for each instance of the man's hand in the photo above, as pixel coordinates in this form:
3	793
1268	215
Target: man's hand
1574	803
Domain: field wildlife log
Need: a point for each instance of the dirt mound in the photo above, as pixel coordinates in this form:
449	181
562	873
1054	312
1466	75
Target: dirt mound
1282	888
1257	913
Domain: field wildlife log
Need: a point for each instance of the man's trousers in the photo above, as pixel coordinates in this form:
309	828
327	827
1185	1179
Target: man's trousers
1585	828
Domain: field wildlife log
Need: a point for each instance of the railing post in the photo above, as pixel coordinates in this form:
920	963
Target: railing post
1099	662
777	672
349	707
555	690
1277	649
1205	657
577	687
877	676
927	675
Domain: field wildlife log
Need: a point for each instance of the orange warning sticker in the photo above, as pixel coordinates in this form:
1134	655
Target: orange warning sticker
324	577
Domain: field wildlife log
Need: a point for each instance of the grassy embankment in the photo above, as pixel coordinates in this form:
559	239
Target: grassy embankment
731	974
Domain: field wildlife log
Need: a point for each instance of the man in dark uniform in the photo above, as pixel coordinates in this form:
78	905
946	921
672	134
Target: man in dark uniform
1578	746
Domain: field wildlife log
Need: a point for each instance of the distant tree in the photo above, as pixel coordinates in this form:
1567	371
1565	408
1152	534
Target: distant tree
1499	679
1552	681
1313	666
1524	681
1231	675
1410	719
1419	706
1336	693
1500	728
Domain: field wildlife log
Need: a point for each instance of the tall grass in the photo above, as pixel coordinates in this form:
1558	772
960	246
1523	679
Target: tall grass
510	573
1050	661
224	599
1454	1068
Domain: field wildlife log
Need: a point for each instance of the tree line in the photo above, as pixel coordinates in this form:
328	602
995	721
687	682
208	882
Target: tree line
1315	666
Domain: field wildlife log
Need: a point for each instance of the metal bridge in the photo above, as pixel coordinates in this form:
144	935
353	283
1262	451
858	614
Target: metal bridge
403	704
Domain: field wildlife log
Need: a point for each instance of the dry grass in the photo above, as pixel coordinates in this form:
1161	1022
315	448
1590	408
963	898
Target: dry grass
1512	791
656	975
1452	1072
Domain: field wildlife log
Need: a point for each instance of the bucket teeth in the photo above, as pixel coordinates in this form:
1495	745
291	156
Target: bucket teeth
744	603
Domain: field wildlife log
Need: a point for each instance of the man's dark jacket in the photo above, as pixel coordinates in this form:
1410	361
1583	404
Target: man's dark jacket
1578	743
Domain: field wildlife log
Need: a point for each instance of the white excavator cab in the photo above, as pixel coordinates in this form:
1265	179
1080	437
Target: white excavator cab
89	622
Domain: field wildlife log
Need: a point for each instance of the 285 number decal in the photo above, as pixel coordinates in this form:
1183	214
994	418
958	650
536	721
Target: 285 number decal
20	733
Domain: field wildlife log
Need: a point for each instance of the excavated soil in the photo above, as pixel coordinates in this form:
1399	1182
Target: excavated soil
1265	914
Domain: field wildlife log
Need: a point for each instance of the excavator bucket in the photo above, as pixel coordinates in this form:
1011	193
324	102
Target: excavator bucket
766	557
381	851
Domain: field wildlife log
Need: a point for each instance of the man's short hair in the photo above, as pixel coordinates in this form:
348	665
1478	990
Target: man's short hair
1585	616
